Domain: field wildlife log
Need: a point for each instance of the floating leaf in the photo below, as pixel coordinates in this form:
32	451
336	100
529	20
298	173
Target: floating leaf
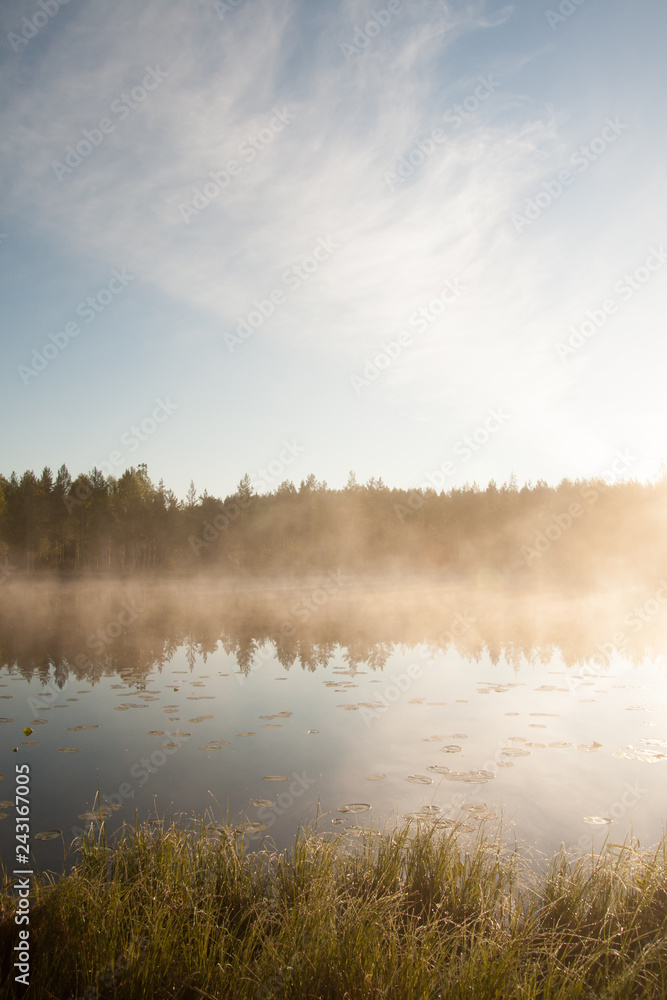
419	779
6	803
597	820
262	803
245	734
68	750
250	827
438	769
450	748
48	835
274	777
354	807
375	777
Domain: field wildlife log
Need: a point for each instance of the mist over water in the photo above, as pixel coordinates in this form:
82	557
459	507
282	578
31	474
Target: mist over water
342	700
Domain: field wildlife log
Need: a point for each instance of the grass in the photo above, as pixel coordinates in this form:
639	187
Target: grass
412	913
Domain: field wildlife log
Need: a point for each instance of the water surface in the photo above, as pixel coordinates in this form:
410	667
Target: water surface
369	702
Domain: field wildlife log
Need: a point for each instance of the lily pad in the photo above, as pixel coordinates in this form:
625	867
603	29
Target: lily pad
250	827
419	779
262	803
354	807
597	820
274	777
48	835
376	777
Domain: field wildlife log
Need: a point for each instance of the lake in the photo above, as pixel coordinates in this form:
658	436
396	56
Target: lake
341	702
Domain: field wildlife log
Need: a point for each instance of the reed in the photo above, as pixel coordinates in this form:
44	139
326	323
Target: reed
416	912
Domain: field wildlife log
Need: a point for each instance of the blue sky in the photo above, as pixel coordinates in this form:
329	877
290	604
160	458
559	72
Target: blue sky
366	231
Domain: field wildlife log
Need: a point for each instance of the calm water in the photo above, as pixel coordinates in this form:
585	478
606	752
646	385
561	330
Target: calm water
439	701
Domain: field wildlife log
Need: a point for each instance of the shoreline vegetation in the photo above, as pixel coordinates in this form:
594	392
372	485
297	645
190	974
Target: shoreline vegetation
575	534
409	913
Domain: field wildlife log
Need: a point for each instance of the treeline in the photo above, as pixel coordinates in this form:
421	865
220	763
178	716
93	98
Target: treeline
584	531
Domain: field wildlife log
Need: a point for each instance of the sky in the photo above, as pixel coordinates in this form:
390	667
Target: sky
419	240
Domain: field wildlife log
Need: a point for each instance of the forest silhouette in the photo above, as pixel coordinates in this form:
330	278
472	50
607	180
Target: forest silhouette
585	532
